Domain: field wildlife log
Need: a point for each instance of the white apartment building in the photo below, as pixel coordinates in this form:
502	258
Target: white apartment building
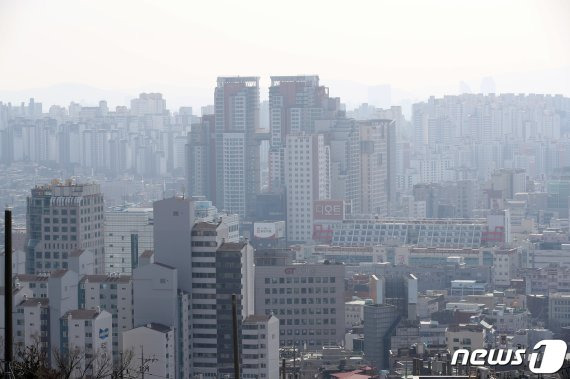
156	343
88	330
114	294
60	287
31	324
307	178
260	347
128	233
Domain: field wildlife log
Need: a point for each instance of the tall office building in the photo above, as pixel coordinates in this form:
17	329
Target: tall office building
237	149
62	218
128	233
211	264
295	102
308	300
219	270
307	177
394	304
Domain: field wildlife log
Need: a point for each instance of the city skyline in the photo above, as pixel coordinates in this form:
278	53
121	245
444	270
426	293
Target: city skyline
263	190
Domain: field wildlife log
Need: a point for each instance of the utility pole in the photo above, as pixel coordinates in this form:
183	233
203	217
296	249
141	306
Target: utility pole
121	367
284	370
8	334
142	361
235	336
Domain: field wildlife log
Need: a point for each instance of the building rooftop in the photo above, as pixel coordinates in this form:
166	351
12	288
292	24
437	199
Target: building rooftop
231	246
158	327
257	318
205	226
77	252
106	278
147	254
82	314
32	302
165	266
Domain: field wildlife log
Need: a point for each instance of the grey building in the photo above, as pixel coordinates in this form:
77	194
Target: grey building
308	299
61	218
157	299
211	264
380	322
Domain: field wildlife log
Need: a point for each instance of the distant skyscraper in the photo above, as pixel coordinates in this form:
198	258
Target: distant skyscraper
61	219
307	178
237	149
295	102
148	104
201	159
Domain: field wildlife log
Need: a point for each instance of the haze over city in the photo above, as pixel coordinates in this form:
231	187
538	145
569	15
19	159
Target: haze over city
285	190
91	50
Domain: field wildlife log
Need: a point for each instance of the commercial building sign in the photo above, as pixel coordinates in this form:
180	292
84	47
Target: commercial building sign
328	210
269	230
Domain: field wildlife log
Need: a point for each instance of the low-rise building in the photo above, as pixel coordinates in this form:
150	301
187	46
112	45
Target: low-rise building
155	342
354	313
87	332
260	347
465	336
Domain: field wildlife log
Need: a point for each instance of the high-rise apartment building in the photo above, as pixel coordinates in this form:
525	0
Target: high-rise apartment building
237	149
62	218
371	174
128	233
201	158
307	177
148	104
295	103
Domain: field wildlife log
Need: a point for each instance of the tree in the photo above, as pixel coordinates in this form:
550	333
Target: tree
31	362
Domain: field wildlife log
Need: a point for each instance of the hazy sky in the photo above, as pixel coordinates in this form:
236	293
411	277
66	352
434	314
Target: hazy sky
180	47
